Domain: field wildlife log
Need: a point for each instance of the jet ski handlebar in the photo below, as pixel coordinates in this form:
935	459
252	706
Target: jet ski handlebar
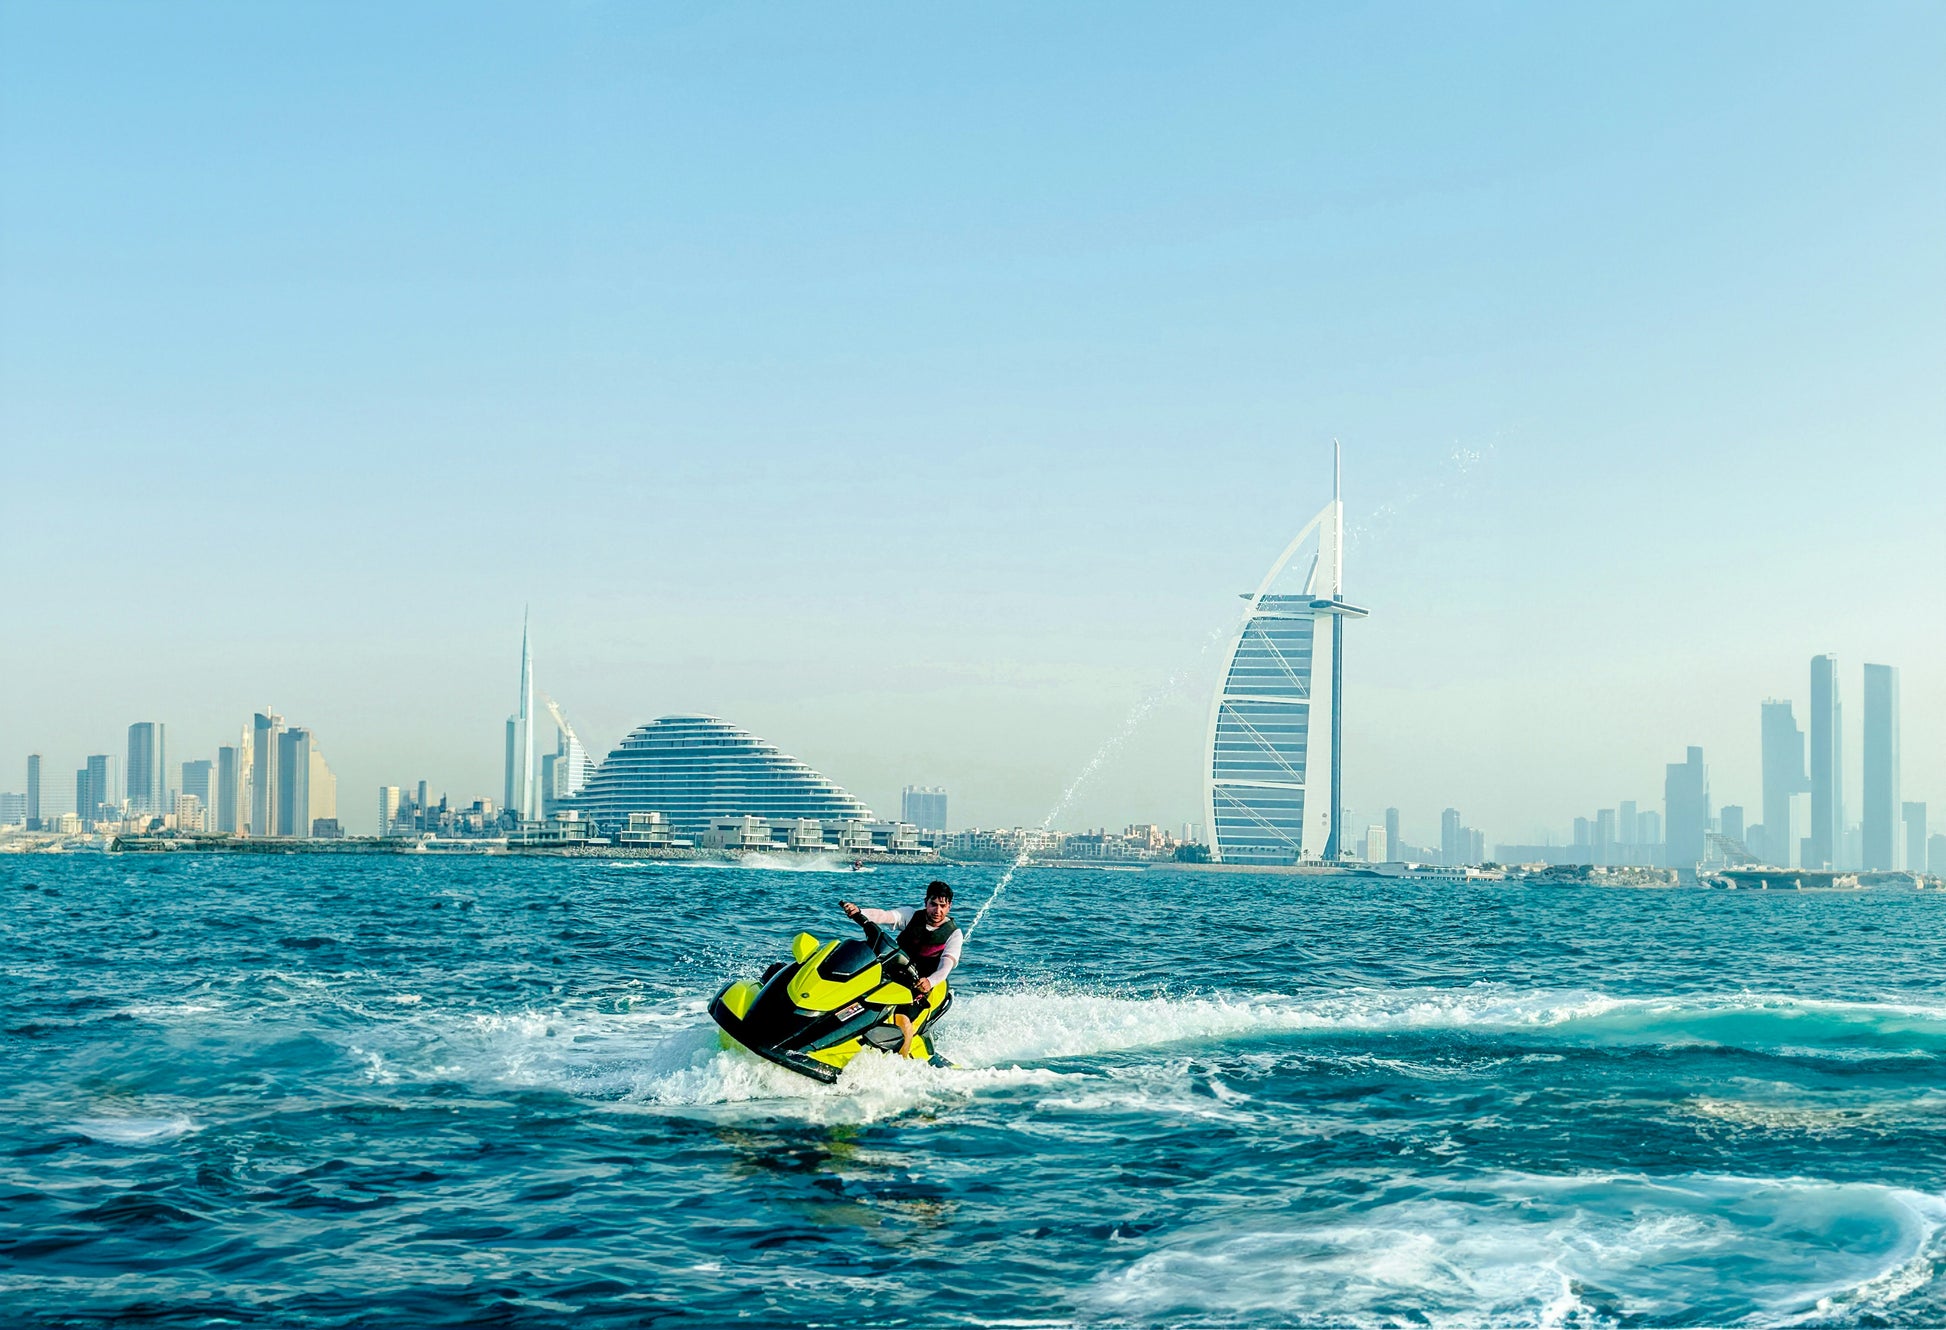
890	953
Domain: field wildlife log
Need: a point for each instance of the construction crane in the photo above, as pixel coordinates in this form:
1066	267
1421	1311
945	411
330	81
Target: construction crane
574	741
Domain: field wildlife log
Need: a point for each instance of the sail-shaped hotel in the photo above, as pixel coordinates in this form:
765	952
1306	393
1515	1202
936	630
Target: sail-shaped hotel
1274	780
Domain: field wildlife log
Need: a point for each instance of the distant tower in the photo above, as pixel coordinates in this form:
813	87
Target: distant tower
1826	834
924	806
92	789
520	789
198	778
34	792
148	782
1275	776
1686	803
1784	778
265	728
231	776
293	810
1881	793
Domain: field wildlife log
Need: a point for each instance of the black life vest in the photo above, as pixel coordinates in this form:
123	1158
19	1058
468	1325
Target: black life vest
926	944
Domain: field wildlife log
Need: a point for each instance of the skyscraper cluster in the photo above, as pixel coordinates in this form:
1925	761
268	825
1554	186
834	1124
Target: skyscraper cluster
1806	822
272	782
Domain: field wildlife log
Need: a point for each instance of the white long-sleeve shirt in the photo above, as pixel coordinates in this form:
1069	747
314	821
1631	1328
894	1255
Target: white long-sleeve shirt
904	915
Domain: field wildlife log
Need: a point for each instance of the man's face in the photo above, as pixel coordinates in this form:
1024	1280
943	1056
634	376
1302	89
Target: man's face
937	908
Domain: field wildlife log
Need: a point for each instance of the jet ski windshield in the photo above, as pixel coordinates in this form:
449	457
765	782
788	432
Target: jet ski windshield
847	960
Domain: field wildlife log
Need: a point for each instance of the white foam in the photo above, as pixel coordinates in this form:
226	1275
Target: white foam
664	1052
134	1131
989	1028
1550	1251
165	1010
758	861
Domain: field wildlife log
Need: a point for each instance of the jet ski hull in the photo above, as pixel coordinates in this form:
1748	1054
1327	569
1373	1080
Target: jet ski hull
814	1014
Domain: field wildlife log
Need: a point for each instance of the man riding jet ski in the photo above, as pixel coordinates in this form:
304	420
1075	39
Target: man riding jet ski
814	1013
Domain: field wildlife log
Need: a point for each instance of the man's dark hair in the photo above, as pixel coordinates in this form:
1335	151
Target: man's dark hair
938	889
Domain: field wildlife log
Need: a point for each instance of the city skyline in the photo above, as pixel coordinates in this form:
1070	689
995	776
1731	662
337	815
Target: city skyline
1619	835
929	431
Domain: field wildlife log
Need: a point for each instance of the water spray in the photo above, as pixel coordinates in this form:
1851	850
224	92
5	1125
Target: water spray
1137	714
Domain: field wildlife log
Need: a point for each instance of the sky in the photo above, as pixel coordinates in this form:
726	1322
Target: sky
919	388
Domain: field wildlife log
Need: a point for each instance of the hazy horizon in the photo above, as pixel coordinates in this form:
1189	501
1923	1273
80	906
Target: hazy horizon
918	391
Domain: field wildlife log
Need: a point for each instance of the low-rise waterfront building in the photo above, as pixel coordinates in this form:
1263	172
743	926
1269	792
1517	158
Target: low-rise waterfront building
648	831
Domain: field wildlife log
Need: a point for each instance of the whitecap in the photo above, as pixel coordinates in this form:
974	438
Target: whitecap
134	1131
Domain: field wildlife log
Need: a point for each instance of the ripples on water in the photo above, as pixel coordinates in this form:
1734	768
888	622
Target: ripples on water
329	1092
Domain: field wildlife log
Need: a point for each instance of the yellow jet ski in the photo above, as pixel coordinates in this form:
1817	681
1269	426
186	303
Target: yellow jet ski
815	1012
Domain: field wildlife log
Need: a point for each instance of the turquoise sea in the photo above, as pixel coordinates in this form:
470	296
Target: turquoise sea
332	1091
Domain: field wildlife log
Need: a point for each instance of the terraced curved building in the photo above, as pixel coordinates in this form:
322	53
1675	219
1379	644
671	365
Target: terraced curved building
694	768
1276	730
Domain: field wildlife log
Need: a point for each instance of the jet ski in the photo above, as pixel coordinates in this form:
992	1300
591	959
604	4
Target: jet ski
817	1011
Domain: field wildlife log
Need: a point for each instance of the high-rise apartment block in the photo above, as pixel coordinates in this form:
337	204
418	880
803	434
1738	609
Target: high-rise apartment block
33	792
293	809
1459	844
94	791
307	792
388	808
148	766
1649	825
1880	838
198	778
1729	821
231	810
266	727
1826	836
924	806
1783	779
1686	804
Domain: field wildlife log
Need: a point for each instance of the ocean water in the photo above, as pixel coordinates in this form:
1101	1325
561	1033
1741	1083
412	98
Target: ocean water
324	1091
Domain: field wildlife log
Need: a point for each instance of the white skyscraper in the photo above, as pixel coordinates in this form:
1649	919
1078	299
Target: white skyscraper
520	795
1274	781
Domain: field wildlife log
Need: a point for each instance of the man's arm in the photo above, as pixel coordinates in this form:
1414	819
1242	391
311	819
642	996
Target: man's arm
947	960
897	918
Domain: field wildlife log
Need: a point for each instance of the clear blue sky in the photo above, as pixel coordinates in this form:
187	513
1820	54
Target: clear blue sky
917	388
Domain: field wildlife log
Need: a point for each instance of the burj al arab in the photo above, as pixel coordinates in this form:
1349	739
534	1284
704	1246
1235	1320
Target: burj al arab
1275	776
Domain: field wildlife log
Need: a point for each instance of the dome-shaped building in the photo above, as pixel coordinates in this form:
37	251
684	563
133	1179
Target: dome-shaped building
694	768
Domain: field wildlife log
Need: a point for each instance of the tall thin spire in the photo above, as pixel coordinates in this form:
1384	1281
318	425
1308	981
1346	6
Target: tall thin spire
525	719
1338	520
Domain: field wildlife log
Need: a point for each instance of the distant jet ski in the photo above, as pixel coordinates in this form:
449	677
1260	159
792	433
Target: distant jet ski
815	1012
